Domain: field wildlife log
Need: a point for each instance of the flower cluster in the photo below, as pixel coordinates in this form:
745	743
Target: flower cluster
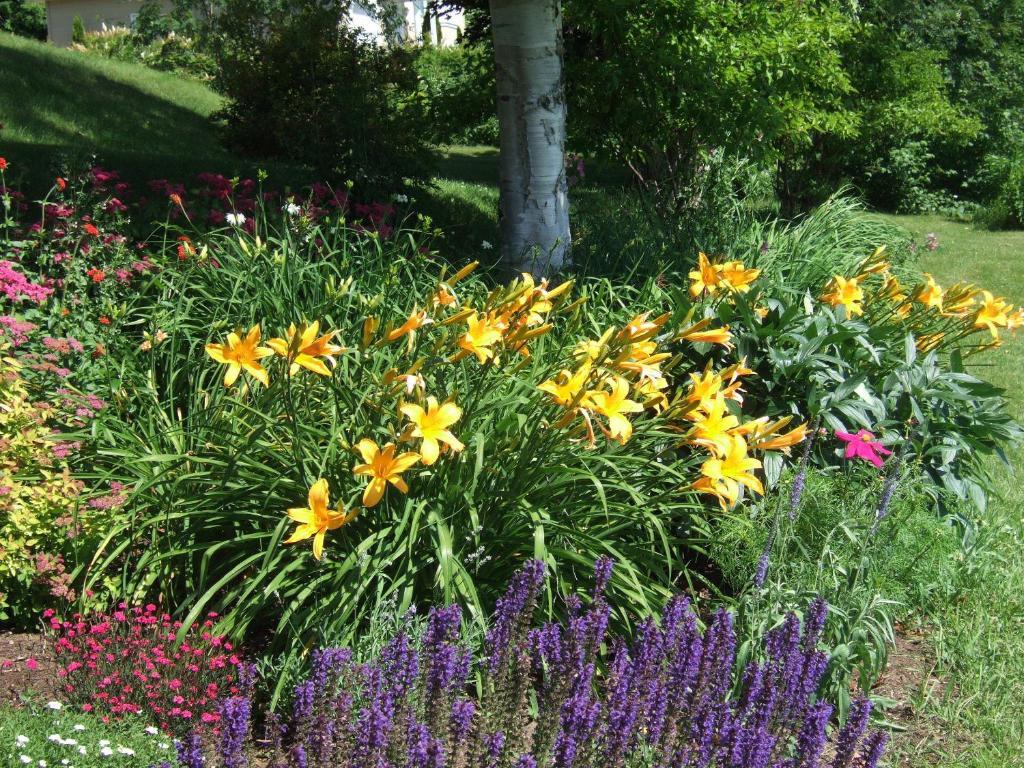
938	318
40	518
668	696
130	662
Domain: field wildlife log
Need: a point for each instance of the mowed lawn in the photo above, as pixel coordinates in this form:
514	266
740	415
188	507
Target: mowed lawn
61	110
978	637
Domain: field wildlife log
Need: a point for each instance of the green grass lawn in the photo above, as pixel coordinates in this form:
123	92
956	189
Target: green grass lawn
978	637
59	109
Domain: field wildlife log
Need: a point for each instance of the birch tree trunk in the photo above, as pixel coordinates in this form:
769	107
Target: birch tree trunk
534	199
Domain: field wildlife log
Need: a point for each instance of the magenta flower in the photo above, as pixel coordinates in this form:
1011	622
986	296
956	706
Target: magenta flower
863	445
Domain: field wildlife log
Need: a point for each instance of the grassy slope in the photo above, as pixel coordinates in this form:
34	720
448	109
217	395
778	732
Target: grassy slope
979	637
61	107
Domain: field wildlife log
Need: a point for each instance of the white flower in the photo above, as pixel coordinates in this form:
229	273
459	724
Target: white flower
56	738
69	743
83	751
42	764
78	727
235	219
292	209
65	761
104	742
152	730
21	741
164	745
106	751
486	245
126	751
400	198
54	705
25	759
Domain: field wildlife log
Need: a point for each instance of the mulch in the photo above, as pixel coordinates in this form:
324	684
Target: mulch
28	667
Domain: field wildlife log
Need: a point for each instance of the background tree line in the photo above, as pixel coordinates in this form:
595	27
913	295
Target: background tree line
916	104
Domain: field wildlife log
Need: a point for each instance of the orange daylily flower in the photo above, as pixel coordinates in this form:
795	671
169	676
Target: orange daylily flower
302	348
382	467
316	519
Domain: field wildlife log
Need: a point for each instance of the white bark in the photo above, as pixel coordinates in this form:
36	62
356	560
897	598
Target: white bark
534	199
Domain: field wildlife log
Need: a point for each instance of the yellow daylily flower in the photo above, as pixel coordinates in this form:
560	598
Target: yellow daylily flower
737	278
382	467
705	278
781	441
704	390
1015	320
239	353
651	390
733	469
303	348
318	518
930	293
727	496
482	333
431	425
641	329
711	336
566	387
993	313
847	293
713	427
613	404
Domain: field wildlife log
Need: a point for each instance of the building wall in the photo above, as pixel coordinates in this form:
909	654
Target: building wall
60	15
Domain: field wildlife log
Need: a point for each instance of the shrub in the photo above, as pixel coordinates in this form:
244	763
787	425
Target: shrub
356	113
458	84
137	661
44	524
22	17
1005	177
875	354
669	696
78	30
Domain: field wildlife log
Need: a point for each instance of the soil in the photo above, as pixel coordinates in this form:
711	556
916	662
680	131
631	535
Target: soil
27	667
908	680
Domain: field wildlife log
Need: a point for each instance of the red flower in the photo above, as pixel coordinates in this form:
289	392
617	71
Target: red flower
3	163
90	229
61	184
104	320
97	275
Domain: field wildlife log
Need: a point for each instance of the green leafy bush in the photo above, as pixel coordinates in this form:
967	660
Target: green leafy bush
24	18
302	85
458	84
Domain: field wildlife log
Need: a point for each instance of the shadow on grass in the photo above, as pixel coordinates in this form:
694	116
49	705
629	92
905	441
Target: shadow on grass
51	98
